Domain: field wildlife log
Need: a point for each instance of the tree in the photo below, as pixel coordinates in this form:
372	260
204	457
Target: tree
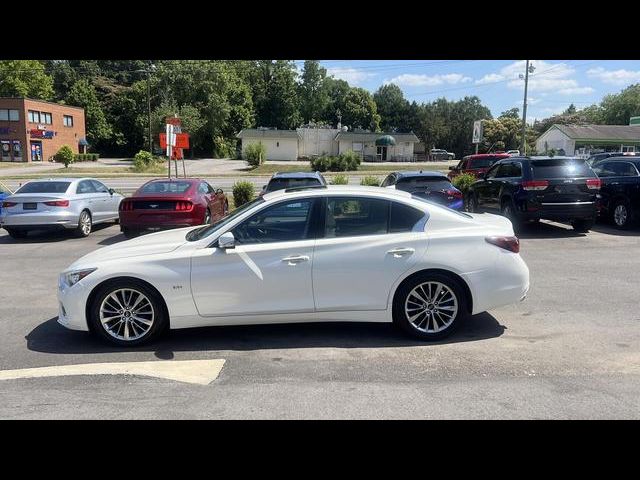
617	109
571	109
25	78
313	93
275	94
392	108
337	91
359	110
83	94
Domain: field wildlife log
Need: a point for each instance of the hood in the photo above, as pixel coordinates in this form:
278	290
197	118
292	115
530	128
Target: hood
150	244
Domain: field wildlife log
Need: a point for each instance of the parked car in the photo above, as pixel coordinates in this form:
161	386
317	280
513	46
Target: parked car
378	255
513	153
476	164
593	159
441	154
57	204
530	188
620	190
172	203
433	186
282	180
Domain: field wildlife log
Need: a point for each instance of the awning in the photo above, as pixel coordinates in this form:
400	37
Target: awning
83	141
385	140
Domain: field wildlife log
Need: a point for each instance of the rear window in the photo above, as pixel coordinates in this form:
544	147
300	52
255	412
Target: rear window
280	183
482	162
44	187
412	184
560	168
166	187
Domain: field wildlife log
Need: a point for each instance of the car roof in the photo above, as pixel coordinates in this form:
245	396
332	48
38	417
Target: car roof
486	155
421	173
621	158
296	175
336	190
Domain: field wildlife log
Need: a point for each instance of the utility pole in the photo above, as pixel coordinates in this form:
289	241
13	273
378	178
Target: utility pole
528	69
149	109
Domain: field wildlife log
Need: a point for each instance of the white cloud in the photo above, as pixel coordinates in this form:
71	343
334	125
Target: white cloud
416	80
490	78
576	91
614	77
352	75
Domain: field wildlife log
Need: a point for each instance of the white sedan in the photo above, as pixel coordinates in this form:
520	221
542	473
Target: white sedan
361	254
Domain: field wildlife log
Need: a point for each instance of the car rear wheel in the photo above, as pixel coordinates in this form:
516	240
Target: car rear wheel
84	225
130	232
621	215
127	313
429	306
582	225
18	234
507	209
471	203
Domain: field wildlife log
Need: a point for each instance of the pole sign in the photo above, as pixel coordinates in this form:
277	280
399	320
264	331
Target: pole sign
477	131
169	138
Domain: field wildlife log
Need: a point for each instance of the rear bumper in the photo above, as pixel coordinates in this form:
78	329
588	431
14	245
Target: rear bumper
158	221
39	220
559	211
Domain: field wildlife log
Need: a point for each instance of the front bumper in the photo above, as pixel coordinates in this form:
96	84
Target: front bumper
71	306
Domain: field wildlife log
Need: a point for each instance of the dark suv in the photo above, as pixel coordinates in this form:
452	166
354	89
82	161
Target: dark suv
282	180
530	188
595	158
620	190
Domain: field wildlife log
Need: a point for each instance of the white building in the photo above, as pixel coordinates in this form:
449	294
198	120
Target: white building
310	142
584	140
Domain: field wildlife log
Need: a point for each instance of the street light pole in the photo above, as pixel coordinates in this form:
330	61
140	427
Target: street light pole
149	109
523	145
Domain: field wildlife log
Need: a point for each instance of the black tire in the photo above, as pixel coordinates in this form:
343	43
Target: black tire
401	319
583	225
160	319
207	217
17	234
471	203
130	232
84	229
621	215
507	209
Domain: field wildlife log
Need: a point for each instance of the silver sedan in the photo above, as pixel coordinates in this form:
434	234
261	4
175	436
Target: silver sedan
62	203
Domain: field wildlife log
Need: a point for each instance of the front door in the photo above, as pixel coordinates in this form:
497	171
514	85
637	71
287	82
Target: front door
268	271
36	151
368	243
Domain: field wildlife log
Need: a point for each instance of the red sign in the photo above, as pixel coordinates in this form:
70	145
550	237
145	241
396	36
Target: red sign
173	121
35	133
182	140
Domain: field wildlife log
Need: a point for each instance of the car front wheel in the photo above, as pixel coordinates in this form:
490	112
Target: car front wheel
127	313
429	306
509	211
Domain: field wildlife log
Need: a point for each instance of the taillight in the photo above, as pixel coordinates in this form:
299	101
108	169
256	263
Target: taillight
183	206
508	243
535	184
454	194
58	203
9	204
594	183
126	206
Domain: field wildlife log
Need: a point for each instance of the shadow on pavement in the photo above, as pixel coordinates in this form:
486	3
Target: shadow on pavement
50	337
543	229
608	229
48	236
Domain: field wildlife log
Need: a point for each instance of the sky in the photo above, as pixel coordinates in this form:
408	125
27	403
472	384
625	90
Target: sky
553	85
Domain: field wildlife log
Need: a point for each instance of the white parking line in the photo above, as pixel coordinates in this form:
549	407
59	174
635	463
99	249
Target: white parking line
201	372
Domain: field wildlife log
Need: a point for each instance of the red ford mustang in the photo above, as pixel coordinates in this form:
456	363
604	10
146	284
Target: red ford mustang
171	203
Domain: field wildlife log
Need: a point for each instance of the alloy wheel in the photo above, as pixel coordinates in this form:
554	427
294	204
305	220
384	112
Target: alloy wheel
85	223
620	215
431	307
126	314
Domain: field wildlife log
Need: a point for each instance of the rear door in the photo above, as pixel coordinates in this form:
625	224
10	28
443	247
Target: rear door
484	189
104	201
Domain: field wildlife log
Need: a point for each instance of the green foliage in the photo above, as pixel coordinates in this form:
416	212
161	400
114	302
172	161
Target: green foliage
345	162
340	179
146	162
255	153
83	94
393	108
243	192
321	163
64	155
313	93
25	78
360	111
370	181
85	157
463	181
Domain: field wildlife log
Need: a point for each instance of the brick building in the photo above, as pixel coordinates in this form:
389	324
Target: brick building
34	130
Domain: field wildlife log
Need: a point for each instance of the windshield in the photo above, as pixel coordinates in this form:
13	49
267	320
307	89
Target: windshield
423	183
483	162
561	168
44	187
280	183
166	187
462	214
203	232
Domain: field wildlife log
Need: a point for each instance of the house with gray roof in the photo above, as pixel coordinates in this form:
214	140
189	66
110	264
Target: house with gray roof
308	142
584	140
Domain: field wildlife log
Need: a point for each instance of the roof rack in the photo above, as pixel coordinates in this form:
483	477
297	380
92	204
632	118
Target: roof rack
308	187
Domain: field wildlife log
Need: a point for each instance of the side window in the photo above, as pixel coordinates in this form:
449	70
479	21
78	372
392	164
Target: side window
602	170
202	188
85	186
356	216
210	189
625	169
509	170
492	171
403	217
388	181
99	187
283	222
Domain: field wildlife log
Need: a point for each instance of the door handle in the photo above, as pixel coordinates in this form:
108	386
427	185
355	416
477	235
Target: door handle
295	259
400	252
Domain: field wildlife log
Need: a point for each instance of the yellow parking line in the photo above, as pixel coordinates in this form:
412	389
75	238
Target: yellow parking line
201	372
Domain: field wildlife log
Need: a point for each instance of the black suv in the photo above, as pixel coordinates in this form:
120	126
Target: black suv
620	190
530	188
595	158
282	180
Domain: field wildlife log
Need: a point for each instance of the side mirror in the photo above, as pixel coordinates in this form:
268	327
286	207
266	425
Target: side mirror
219	191
227	240
452	167
112	191
264	187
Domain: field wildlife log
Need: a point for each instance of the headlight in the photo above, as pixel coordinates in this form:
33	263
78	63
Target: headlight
69	279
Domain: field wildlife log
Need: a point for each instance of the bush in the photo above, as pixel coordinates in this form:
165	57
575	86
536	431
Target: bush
340	179
370	181
345	162
243	192
463	181
64	155
350	160
255	153
320	164
143	160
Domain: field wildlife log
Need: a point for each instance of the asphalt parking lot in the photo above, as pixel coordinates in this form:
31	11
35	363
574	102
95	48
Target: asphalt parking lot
570	350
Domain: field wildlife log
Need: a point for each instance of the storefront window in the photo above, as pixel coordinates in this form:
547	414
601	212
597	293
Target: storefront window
17	151
14	116
6	151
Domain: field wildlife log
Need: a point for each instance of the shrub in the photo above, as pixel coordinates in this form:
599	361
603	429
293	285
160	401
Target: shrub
347	161
143	160
340	179
370	181
320	164
243	192
64	155
255	153
350	160
463	181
